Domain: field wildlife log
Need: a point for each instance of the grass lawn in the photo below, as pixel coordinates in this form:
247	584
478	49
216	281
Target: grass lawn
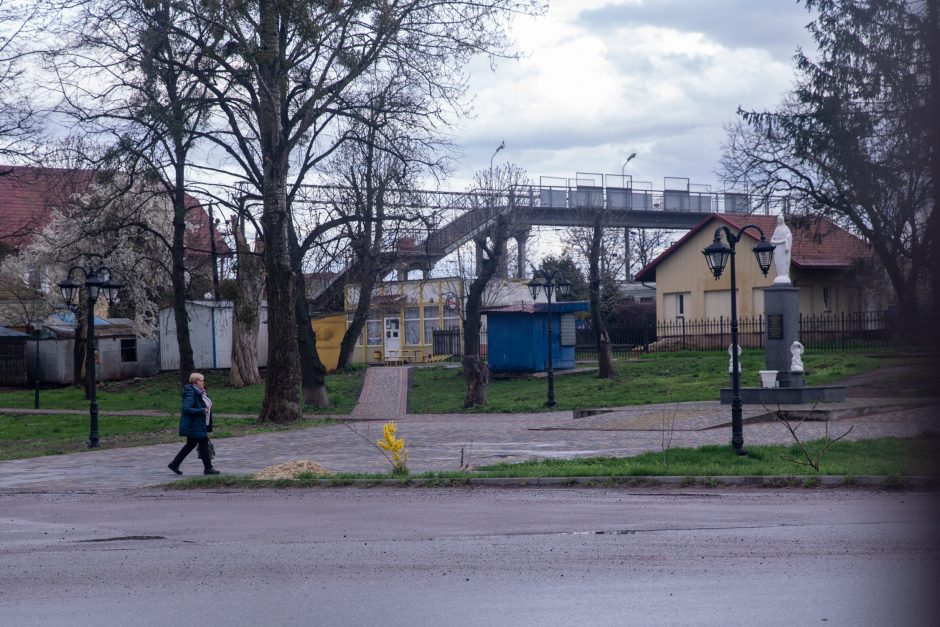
659	378
55	434
890	457
162	393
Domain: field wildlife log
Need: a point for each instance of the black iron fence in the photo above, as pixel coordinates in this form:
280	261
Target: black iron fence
862	330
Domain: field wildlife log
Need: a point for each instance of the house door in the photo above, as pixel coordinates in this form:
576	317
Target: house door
393	339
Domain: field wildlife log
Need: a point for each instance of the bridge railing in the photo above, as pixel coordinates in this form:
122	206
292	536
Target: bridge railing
622	193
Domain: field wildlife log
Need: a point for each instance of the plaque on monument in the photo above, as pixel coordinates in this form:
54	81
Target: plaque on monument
775	326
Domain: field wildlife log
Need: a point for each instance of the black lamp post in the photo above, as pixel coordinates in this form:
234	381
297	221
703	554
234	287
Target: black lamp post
549	282
716	255
97	279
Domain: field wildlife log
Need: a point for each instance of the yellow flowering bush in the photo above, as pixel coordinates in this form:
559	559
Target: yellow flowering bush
396	446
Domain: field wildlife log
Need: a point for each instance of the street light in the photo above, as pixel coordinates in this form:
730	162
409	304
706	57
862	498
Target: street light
97	279
624	168
549	282
716	256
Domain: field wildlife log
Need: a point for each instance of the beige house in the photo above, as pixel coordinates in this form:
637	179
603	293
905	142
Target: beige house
828	265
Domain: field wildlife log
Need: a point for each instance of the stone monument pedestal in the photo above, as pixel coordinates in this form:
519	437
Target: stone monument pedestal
781	330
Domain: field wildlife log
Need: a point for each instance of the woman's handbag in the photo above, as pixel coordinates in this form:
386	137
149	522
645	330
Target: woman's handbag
211	448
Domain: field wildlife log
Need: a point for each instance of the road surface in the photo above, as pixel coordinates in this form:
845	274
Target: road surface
481	556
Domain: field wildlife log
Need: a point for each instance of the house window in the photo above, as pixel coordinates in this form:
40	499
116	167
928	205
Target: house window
827	299
680	304
432	322
412	326
129	350
374	332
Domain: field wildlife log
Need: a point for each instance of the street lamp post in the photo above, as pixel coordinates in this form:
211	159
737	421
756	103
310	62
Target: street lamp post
716	256
97	279
549	282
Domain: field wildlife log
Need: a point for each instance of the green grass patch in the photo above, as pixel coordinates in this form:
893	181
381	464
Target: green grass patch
881	456
162	393
894	458
659	378
23	436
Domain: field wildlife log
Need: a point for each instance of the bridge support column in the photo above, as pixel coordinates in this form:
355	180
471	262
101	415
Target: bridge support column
626	255
521	238
502	269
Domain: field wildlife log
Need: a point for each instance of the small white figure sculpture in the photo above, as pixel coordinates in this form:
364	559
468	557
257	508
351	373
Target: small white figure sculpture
731	359
796	351
782	239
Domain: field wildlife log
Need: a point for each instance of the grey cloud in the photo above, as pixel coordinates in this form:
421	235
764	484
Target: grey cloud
777	26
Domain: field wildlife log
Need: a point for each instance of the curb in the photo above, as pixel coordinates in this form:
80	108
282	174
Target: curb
755	481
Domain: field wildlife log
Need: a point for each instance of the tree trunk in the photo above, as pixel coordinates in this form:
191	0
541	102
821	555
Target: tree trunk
245	313
312	370
605	357
358	322
476	372
178	280
282	377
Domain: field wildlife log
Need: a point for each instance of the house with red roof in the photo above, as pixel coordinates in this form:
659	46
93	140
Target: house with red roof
29	197
832	268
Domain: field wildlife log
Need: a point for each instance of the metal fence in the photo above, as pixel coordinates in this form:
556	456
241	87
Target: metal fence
862	330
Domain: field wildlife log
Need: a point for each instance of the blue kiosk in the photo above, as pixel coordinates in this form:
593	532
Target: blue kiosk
516	336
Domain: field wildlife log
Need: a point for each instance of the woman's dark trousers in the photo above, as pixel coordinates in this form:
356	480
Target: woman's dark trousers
191	443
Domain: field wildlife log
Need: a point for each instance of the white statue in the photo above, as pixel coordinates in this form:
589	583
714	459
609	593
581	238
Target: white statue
796	353
731	359
782	239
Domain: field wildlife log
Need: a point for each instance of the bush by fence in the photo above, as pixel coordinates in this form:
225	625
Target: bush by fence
822	333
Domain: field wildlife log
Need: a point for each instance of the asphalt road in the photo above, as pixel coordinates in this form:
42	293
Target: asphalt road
393	556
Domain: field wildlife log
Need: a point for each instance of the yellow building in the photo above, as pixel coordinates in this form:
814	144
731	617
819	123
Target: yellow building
403	316
825	265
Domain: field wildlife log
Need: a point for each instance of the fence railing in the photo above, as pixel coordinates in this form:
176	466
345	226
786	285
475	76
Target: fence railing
828	333
448	343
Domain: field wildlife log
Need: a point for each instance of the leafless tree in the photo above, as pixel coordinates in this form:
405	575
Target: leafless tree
506	199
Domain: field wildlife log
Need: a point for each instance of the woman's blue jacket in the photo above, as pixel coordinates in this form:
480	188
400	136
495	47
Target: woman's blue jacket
193	414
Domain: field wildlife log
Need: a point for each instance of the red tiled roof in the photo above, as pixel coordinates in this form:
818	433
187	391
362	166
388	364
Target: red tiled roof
29	195
817	242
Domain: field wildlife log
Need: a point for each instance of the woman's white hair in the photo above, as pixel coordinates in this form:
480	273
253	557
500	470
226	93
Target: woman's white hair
195	377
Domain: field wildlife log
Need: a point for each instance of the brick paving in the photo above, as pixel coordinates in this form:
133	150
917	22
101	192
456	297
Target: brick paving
440	441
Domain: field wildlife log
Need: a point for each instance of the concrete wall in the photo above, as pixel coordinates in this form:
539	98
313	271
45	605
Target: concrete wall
56	359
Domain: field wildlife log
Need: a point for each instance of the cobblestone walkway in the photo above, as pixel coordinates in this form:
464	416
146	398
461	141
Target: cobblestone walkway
384	394
444	441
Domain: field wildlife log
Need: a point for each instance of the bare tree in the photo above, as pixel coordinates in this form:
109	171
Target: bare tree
505	200
21	123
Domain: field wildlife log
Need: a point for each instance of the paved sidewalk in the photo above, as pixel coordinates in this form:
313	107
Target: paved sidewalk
384	394
444	441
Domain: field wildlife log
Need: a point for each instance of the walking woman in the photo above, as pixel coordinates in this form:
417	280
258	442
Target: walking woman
195	424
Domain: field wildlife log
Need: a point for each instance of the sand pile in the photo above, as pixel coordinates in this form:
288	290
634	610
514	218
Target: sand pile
290	470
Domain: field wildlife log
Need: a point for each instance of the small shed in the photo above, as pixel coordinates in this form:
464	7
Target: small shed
121	352
517	336
12	357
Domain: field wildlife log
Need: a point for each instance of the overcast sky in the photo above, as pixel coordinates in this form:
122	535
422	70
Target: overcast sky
605	78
